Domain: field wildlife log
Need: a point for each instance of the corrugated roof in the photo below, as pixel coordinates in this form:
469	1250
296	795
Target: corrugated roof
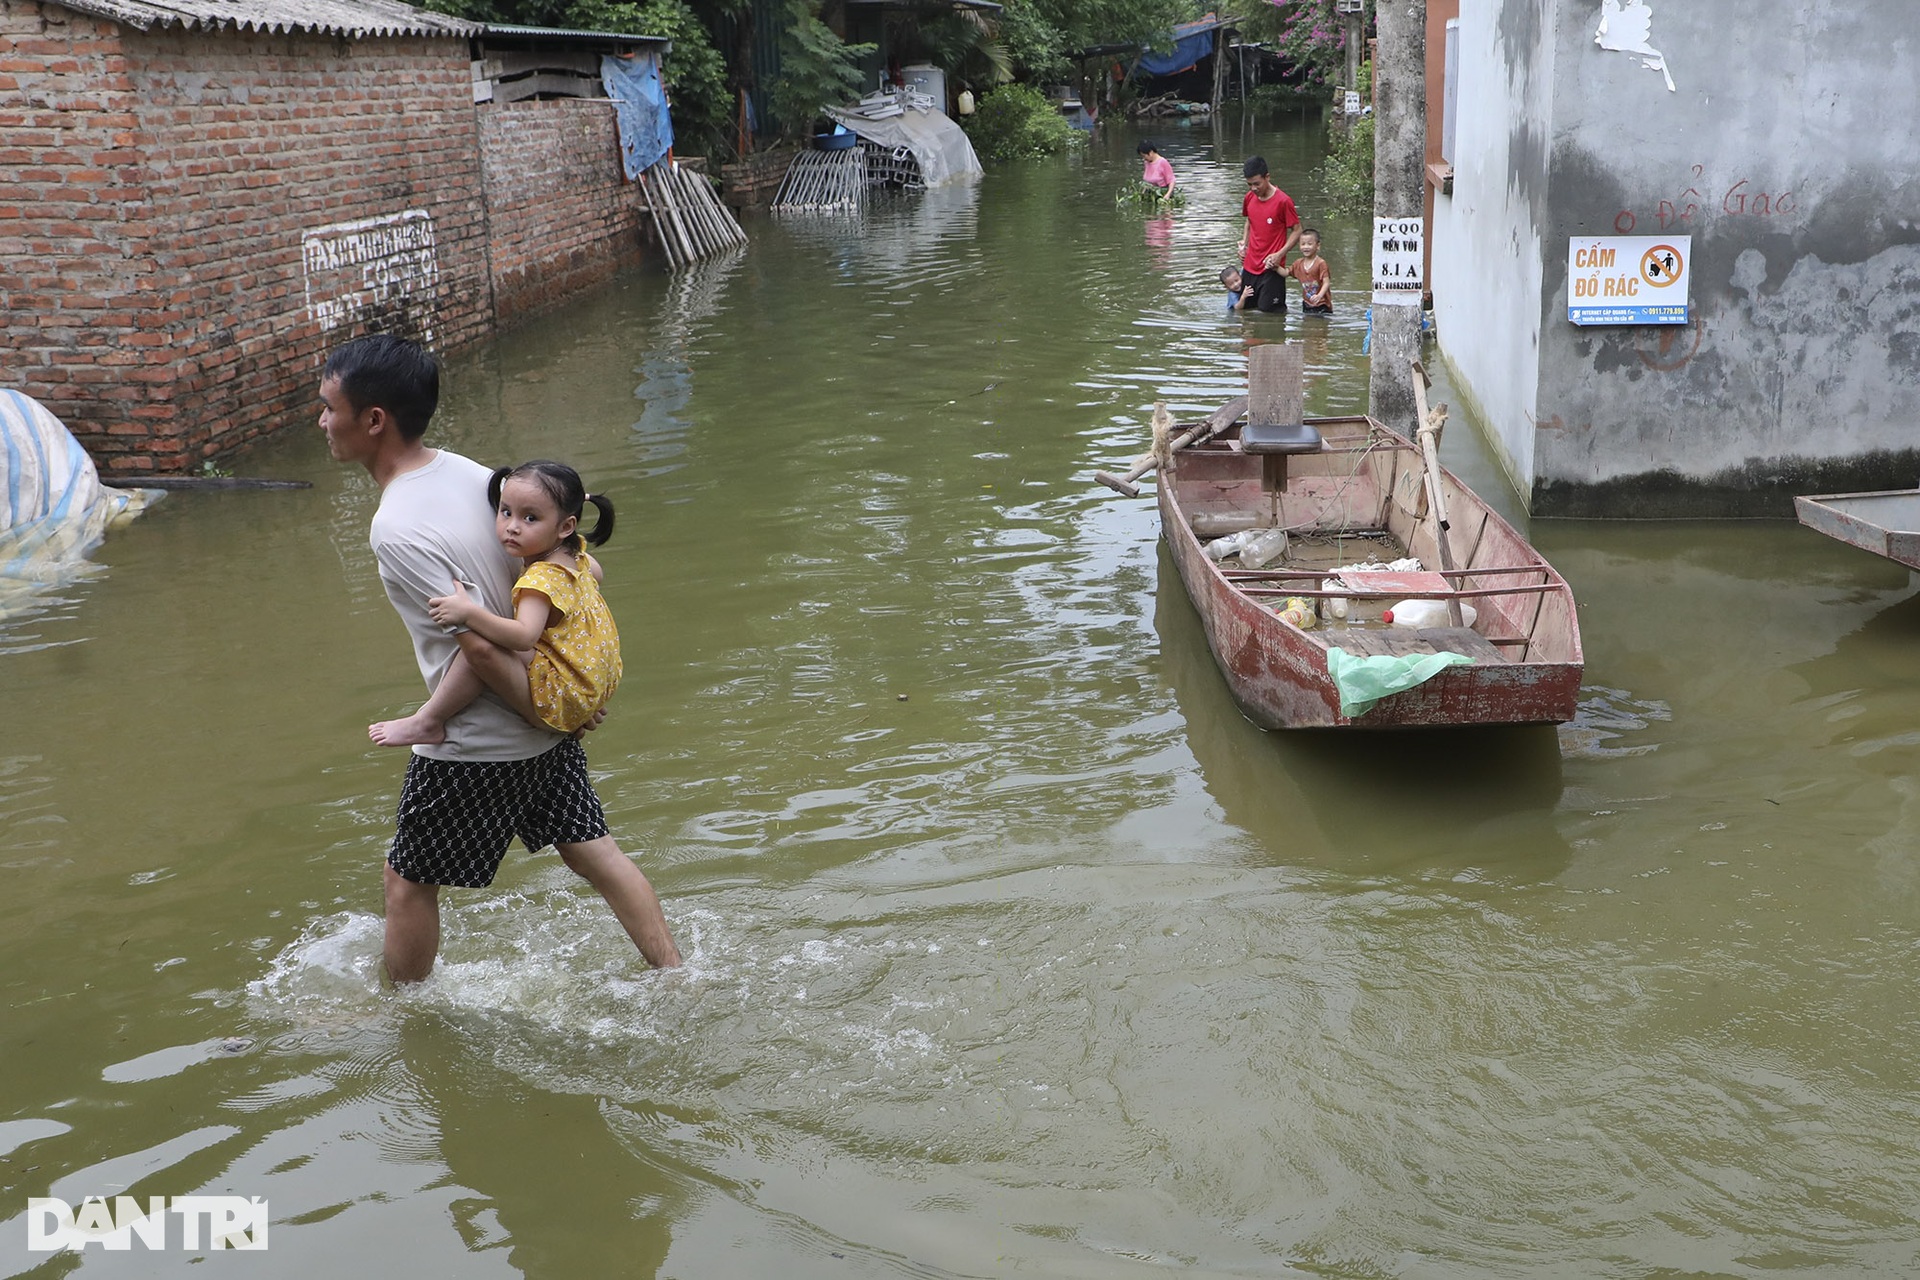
321	17
566	35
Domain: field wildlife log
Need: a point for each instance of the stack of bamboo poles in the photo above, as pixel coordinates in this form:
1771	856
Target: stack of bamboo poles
824	182
691	221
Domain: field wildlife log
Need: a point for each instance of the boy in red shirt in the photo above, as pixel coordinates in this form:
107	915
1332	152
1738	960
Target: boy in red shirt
1273	226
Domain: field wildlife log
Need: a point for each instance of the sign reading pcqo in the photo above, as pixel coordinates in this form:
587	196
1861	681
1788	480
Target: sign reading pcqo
1628	279
1397	259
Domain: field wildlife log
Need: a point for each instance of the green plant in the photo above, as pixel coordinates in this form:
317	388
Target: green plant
214	471
1151	199
1347	174
817	69
1017	122
1291	97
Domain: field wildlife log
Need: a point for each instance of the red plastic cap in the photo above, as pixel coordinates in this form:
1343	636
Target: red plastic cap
1387	616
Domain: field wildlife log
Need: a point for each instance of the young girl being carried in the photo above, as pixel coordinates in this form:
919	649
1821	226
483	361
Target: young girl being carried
557	660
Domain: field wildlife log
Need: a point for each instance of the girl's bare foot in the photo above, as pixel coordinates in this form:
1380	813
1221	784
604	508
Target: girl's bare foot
415	730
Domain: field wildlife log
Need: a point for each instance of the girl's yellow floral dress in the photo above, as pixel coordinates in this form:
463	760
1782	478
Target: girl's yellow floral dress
576	660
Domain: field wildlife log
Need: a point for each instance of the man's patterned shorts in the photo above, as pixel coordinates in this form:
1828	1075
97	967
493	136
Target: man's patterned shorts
458	816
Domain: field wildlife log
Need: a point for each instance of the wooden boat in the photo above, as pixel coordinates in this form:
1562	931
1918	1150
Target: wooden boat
1886	523
1349	490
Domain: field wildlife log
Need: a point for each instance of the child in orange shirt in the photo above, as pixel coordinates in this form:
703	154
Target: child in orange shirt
1316	281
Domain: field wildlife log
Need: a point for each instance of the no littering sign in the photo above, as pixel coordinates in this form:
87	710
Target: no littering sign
1628	279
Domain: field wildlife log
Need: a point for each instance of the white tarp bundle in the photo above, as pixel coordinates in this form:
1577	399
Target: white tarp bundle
939	145
53	509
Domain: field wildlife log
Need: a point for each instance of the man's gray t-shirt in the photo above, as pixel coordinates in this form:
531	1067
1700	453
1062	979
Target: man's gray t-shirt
434	526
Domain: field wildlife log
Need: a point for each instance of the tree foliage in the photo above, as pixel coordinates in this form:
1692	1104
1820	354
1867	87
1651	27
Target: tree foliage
1018	122
964	42
817	68
1347	174
1044	37
1308	34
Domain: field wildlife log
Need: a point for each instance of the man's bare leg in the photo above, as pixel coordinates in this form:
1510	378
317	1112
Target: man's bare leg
627	891
413	928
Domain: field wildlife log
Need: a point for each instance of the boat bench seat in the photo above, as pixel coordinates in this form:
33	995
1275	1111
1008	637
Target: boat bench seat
1271	442
1280	437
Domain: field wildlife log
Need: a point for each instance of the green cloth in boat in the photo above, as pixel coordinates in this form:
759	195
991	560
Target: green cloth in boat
1364	681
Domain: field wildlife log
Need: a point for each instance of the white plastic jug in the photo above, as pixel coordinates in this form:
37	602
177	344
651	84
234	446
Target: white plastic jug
1420	614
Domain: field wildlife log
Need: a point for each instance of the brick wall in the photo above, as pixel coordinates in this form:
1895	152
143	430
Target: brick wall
190	220
561	213
303	189
78	311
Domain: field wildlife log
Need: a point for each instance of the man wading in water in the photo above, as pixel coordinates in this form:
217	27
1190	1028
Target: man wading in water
496	776
1272	227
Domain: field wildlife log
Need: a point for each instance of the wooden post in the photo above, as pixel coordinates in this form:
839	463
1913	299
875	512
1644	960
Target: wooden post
1219	68
1399	191
1429	437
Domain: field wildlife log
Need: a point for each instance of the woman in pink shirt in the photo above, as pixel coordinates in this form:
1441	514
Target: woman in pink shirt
1158	174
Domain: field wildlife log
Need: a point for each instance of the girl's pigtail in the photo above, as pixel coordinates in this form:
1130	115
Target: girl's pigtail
494	483
603	527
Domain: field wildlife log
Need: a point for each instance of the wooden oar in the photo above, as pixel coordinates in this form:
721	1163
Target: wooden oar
1222	418
1430	423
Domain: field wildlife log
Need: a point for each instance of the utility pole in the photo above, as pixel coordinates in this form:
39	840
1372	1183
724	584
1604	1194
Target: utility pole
1353	26
1399	192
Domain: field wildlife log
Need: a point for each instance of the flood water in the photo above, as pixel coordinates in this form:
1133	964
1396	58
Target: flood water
1012	949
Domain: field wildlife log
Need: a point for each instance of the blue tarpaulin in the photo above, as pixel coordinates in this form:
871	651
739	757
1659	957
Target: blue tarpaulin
640	104
1192	41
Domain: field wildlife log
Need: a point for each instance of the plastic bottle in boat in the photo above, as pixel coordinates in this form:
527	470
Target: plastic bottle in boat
1299	612
1263	547
1420	614
1221	548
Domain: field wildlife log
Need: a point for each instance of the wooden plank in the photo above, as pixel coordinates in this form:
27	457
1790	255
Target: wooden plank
1461	640
1361	644
560	85
518	62
1348	593
1253	574
1276	391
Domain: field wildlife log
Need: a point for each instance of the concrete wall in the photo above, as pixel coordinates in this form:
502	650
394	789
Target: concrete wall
189	221
1785	151
1487	236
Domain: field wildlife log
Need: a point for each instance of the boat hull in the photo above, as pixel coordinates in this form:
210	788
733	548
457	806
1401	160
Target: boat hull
1278	675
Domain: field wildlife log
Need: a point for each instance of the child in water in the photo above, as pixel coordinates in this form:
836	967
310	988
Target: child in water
1315	277
1237	297
560	652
